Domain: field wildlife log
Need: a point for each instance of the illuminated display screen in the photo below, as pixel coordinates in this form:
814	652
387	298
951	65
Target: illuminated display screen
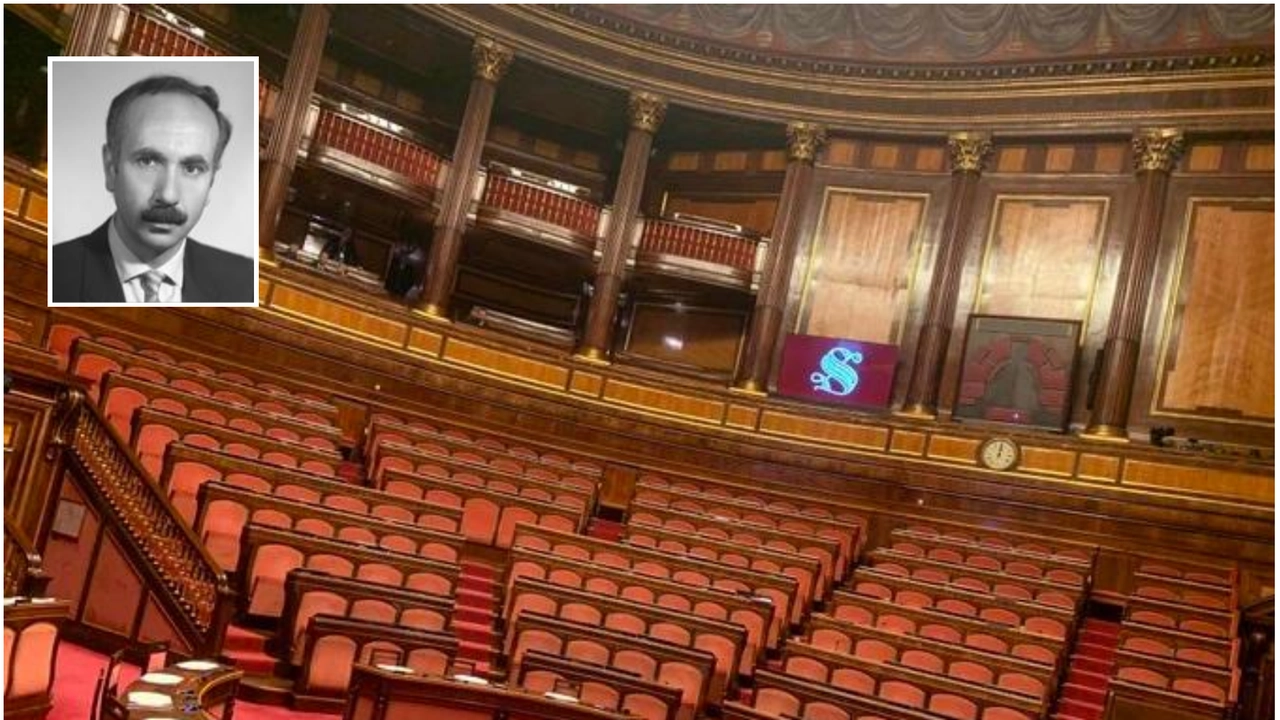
832	370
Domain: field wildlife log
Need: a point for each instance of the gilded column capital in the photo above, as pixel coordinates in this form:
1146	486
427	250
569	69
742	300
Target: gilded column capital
489	59
969	151
1157	149
804	140
646	111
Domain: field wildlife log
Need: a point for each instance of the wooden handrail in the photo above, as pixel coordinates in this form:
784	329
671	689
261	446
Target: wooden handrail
23	568
1262	608
183	576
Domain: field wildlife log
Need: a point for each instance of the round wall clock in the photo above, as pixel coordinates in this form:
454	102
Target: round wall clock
999	453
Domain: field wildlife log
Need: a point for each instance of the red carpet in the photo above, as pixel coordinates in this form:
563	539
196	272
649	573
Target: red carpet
247	650
475	607
76	676
604	529
1083	694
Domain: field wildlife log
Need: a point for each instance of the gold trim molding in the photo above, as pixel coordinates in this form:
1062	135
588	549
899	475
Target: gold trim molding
804	140
489	59
1157	149
969	151
646	111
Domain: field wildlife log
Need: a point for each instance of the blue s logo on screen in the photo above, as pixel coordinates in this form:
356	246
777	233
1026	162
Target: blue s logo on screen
838	376
838	371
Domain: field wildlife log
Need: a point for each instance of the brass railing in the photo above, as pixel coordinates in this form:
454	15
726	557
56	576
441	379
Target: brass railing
184	577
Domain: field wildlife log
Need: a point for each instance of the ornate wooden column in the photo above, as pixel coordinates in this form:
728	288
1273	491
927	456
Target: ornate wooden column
647	111
489	63
90	29
291	116
969	152
1155	153
803	143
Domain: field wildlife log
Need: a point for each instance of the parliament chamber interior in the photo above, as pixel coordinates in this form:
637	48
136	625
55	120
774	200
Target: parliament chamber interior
821	362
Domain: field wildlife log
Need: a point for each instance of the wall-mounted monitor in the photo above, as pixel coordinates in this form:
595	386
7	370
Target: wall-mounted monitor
837	371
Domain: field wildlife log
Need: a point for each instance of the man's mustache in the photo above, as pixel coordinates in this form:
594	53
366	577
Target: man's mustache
165	215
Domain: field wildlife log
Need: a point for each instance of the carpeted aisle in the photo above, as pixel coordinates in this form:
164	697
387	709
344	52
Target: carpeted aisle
76	676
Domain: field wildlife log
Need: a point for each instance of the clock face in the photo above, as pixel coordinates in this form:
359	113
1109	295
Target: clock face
999	453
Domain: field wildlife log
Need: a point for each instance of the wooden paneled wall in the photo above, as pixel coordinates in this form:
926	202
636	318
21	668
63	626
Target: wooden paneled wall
1041	257
1218	358
861	264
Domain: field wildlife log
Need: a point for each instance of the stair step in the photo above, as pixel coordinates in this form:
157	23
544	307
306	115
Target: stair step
1092	665
1080	676
251	662
1084	693
243	639
477	583
1080	708
477	615
1088	649
476	598
475	569
480	634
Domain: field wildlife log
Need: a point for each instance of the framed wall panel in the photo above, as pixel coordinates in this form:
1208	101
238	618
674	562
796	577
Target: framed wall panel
1217	349
1042	256
861	265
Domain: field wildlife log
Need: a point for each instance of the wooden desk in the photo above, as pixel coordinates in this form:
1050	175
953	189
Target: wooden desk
377	694
198	694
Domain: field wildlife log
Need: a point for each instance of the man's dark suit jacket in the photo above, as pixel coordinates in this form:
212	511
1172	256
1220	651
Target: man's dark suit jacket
83	271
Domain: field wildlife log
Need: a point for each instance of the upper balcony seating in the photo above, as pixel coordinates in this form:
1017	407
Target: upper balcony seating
805	569
1185	592
1184	647
1222	577
1014	562
745	533
885	644
91	359
949	627
779	695
62	340
909	680
412	431
416	450
997	582
979	537
489	516
1217	685
686	668
308	593
753	616
410	462
267	554
333	645
725	641
1033	617
848	535
1179	616
808	503
779	589
225	509
598	686
187	467
154	430
122	394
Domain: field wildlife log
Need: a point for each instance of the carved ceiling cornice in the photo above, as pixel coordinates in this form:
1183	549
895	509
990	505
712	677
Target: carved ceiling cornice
1229	91
949	41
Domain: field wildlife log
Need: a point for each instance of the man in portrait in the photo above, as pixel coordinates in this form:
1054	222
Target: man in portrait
165	138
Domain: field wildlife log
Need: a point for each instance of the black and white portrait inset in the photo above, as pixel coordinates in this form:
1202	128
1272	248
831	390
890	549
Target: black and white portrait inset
153	181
